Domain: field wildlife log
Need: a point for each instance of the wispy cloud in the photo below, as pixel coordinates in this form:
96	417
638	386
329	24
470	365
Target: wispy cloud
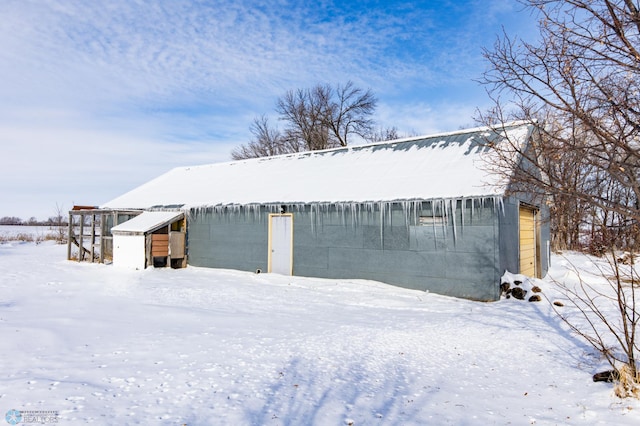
157	50
144	86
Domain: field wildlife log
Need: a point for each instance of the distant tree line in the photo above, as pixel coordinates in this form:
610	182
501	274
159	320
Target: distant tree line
32	221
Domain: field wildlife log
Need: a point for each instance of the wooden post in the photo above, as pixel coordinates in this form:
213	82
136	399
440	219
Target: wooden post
93	236
168	246
102	225
69	235
80	239
148	257
183	228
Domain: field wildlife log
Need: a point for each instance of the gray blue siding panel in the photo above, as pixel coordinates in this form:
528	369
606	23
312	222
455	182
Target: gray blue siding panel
463	261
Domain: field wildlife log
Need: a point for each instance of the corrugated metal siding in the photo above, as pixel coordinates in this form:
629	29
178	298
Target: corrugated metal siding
365	245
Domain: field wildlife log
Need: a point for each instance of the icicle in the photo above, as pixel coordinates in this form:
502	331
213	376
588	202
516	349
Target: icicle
433	219
473	203
343	213
381	207
452	204
355	215
405	212
443	211
501	204
414	211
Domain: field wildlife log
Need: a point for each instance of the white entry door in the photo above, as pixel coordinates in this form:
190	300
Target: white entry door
281	243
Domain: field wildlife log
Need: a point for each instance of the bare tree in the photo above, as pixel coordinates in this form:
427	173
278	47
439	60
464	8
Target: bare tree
266	142
583	77
554	173
10	220
305	113
349	112
384	134
58	224
317	118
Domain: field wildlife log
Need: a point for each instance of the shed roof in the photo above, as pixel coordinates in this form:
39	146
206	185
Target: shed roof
147	222
448	165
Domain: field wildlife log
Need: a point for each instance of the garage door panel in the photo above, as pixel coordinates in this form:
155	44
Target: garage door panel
527	242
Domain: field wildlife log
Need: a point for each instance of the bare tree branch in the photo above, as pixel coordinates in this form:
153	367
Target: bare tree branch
581	80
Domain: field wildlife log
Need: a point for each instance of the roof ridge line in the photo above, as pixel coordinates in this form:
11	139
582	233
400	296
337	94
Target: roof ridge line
372	144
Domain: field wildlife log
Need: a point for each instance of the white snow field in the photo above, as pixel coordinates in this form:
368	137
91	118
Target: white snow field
29	233
101	345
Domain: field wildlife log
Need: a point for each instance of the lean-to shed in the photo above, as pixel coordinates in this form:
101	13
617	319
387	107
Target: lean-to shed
423	213
149	239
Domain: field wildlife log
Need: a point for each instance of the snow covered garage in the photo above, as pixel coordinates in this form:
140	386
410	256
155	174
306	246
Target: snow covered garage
422	213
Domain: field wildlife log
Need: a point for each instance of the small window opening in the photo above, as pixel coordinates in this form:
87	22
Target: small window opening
431	220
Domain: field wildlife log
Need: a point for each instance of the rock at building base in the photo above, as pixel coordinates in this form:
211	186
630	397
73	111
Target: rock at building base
518	293
606	376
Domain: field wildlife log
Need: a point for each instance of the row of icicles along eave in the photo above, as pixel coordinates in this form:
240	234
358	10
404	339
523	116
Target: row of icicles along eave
356	213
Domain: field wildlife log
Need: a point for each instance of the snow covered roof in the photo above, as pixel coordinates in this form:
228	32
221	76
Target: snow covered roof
449	165
146	222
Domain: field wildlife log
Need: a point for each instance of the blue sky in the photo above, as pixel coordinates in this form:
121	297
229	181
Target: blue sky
98	97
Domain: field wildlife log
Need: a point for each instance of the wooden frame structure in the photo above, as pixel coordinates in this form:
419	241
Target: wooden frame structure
89	229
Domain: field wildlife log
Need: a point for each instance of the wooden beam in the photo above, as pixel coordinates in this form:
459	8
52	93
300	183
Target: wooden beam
80	240
102	244
69	235
93	237
148	256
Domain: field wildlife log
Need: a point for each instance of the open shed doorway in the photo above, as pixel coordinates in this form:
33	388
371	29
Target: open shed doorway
168	246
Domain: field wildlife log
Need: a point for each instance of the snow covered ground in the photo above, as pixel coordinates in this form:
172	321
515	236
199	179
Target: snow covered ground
196	346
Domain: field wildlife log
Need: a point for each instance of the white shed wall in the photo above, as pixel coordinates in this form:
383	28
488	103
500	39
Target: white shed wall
129	251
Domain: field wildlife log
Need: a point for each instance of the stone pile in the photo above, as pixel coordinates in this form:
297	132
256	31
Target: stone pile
516	289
